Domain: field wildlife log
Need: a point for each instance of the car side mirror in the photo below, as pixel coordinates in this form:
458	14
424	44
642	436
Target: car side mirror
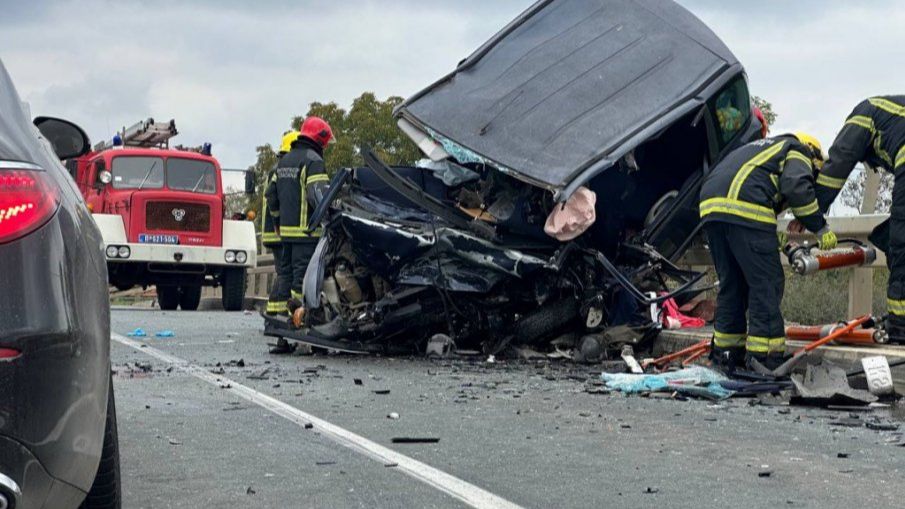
67	139
250	182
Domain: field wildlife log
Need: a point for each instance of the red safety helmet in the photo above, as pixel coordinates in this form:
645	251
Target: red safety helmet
764	128
317	130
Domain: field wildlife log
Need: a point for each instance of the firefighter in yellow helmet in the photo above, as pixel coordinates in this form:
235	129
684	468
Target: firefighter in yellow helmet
740	199
270	238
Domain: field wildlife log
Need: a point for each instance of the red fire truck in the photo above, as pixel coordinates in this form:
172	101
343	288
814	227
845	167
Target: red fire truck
161	212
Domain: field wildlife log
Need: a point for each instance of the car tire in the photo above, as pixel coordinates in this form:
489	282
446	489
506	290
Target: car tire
189	297
106	490
233	282
168	297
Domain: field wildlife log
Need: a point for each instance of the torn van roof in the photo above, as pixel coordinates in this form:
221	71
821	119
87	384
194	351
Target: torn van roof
570	86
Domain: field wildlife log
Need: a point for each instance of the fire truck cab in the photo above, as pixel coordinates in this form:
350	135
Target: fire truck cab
161	212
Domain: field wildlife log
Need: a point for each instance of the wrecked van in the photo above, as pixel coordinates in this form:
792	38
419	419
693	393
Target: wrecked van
563	161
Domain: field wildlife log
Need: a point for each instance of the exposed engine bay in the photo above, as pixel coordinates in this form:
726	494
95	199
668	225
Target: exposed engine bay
405	257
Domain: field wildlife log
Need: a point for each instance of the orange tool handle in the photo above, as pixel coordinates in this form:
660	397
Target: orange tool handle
693	357
835	334
701	345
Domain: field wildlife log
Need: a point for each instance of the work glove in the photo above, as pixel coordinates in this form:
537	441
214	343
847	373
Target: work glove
783	238
828	240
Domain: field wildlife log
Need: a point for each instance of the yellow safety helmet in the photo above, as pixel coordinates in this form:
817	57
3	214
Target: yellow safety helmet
286	142
815	146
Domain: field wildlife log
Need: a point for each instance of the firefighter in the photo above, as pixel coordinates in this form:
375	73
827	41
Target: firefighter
740	199
300	183
271	240
874	134
269	237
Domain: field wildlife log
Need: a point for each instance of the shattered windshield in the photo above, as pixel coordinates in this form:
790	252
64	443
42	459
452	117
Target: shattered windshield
191	175
136	172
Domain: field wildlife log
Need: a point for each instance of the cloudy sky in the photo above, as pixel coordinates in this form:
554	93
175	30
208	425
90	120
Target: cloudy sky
234	72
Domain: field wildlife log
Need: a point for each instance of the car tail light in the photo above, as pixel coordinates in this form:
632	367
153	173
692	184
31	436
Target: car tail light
9	354
28	198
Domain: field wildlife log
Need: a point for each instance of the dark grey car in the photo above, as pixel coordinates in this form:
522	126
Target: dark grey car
58	444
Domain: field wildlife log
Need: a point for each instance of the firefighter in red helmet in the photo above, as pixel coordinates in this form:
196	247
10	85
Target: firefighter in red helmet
300	184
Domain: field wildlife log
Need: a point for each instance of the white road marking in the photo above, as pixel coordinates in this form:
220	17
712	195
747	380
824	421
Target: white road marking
453	486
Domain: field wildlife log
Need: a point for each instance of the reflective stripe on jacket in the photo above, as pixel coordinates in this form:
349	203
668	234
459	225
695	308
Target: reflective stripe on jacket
874	133
269	236
292	197
756	181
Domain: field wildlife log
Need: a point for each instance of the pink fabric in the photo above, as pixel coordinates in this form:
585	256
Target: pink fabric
674	319
574	217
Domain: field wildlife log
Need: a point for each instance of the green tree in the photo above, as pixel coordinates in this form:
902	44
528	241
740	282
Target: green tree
369	122
765	107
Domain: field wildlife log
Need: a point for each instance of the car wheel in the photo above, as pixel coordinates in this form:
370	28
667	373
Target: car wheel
233	281
189	297
105	492
168	297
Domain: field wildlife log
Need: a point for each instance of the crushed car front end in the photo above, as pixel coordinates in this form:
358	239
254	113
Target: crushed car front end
599	115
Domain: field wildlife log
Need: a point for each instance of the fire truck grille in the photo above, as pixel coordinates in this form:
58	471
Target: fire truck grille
176	216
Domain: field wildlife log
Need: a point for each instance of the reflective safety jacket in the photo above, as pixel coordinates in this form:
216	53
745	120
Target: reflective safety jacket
269	236
300	180
874	134
758	180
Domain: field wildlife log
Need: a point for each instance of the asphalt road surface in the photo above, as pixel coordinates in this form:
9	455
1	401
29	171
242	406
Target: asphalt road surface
208	419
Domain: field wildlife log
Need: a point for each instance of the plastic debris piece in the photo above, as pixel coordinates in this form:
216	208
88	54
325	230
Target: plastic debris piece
879	376
165	334
137	333
827	385
415	440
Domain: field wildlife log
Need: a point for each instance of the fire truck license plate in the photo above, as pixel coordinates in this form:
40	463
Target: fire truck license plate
145	238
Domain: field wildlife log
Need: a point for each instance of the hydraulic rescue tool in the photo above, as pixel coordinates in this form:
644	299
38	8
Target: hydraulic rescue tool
855	337
787	367
804	261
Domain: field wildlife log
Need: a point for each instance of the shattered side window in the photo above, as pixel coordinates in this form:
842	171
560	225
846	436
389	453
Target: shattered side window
732	108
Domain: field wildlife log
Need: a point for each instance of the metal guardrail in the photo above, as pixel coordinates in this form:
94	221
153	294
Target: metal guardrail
860	294
860	285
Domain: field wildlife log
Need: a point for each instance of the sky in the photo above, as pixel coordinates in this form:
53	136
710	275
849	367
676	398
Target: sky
235	72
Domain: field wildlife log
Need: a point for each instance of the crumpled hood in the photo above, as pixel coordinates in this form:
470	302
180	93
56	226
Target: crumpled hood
570	86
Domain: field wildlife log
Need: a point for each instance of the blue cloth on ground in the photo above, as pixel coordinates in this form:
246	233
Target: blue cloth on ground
705	382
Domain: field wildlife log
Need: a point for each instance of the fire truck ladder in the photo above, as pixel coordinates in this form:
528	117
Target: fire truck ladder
145	133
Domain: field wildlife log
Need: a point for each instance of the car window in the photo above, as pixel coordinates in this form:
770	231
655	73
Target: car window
137	172
732	109
191	175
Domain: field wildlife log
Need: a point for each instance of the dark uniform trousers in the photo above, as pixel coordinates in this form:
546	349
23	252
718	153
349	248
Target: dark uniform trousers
747	262
274	304
293	264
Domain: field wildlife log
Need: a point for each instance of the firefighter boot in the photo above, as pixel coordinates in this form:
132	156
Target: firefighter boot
769	361
282	347
727	359
895	329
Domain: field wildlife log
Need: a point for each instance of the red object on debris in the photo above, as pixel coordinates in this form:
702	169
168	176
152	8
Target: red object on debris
672	318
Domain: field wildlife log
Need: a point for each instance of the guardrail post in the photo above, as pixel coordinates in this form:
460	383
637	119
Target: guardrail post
861	283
